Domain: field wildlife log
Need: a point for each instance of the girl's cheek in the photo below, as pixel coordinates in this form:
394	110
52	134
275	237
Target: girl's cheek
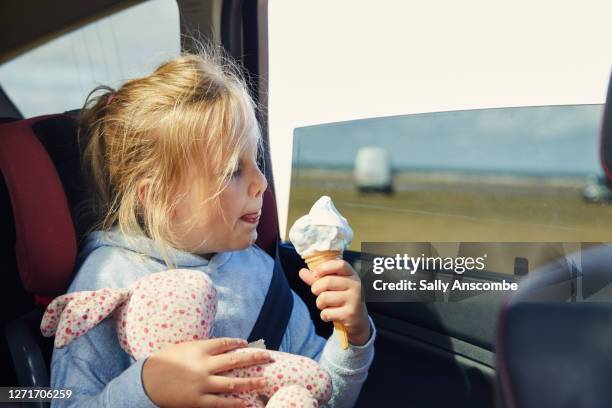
232	189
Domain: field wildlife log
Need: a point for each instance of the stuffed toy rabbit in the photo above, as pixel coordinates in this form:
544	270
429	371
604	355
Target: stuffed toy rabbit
175	306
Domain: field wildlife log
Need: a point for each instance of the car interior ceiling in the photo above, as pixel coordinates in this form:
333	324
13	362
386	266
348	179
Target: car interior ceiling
27	24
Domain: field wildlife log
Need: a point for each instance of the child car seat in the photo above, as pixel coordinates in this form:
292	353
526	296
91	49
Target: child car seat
43	218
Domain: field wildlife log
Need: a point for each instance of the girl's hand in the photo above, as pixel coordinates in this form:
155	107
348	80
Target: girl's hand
185	375
338	291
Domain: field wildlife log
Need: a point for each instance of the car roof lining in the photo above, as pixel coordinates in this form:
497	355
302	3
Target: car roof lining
29	23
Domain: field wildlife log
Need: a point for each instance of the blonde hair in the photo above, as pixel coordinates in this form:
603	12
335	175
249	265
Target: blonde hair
191	111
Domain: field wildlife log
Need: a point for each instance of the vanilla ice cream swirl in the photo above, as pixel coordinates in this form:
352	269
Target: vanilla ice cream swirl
322	229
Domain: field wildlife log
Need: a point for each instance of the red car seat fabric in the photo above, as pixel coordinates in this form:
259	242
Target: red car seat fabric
45	244
267	230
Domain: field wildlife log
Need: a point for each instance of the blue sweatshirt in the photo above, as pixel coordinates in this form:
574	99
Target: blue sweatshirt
101	374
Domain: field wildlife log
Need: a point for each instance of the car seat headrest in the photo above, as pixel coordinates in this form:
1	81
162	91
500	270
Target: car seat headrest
45	242
267	230
40	162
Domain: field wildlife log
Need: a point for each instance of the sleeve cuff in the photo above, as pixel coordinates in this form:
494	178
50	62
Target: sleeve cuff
129	383
370	342
355	359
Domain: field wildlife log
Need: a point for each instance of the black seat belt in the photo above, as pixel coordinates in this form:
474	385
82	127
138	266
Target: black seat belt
274	315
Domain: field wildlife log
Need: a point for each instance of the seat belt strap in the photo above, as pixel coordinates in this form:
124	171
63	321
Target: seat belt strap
274	315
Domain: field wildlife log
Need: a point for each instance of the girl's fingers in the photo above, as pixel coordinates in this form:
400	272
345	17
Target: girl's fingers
230	361
334	314
307	276
215	401
221	345
331	299
220	384
330	283
336	267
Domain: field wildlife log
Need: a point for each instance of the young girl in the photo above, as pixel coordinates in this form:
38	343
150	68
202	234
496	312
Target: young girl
173	156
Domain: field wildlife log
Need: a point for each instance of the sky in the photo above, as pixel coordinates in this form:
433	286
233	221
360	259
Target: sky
558	140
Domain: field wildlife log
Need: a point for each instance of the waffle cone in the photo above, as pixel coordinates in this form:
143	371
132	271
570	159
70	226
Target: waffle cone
312	261
318	258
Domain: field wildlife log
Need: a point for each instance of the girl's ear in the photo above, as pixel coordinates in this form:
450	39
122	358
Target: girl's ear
143	190
71	315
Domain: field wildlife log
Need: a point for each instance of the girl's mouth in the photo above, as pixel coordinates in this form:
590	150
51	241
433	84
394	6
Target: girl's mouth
251	218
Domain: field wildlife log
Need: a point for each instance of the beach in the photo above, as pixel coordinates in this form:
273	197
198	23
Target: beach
445	206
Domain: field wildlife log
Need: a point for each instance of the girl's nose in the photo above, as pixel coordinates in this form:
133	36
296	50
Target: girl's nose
259	184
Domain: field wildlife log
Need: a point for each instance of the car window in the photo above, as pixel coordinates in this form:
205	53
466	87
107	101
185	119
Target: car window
58	75
520	174
356	61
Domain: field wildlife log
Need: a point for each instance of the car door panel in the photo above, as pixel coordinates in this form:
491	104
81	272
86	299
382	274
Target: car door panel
420	348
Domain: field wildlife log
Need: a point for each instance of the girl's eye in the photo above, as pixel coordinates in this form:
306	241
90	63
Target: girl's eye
237	172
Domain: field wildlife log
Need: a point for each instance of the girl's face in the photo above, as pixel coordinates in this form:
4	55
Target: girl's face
241	203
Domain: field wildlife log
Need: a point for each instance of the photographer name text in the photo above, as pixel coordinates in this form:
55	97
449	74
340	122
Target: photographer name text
440	285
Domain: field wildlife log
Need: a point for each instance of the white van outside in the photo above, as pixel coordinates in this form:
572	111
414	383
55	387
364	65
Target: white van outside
373	170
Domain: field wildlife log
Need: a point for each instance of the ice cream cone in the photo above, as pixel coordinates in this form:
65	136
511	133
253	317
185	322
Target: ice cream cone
319	257
312	261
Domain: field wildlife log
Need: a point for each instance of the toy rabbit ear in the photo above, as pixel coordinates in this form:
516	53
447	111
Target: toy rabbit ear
71	315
